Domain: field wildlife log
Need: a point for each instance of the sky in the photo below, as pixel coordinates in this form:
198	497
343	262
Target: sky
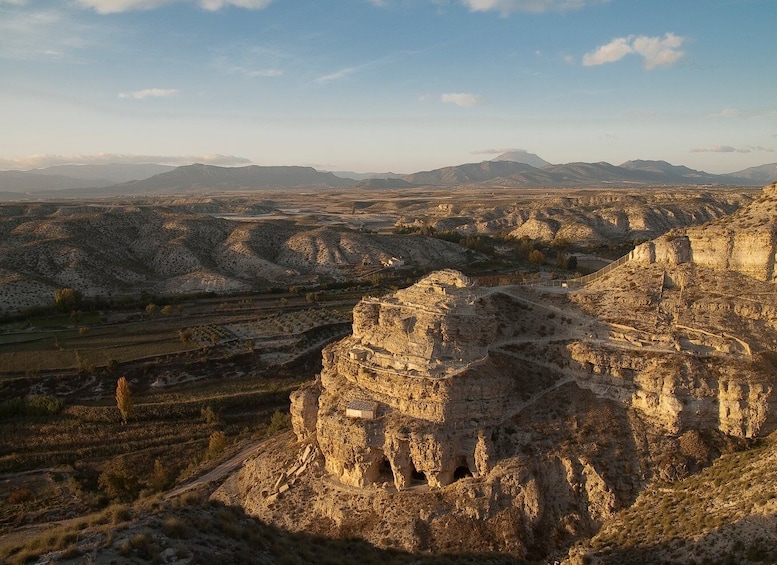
387	85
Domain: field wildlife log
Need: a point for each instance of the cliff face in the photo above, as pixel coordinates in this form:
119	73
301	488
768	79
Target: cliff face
463	418
745	242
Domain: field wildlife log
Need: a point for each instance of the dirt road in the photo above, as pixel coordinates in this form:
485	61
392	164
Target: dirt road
217	473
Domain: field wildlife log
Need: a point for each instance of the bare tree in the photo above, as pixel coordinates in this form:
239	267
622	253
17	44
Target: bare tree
124	398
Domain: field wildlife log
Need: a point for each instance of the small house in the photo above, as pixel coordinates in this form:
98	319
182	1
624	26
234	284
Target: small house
365	409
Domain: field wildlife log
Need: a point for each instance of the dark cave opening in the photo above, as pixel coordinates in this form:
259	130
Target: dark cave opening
461	472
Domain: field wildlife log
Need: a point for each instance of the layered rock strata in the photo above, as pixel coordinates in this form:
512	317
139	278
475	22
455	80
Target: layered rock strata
745	242
422	356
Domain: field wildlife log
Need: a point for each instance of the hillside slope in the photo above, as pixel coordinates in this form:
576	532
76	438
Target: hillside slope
588	217
117	250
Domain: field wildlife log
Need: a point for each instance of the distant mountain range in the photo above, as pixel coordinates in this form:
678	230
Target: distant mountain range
209	178
508	170
510	173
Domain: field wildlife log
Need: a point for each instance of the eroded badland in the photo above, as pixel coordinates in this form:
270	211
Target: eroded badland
474	411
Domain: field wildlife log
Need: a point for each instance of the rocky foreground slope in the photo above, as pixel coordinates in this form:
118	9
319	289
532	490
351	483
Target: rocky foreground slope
463	418
125	250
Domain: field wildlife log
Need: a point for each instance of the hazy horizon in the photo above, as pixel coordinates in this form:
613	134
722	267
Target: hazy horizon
386	85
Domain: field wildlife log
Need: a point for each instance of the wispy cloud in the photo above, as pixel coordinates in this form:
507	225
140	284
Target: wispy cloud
730	149
461	99
337	75
655	51
257	73
150	93
49	160
735	113
390	58
505	7
30	34
117	6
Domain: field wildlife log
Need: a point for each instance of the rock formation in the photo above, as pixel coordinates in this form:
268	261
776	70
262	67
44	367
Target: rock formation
420	356
460	417
745	242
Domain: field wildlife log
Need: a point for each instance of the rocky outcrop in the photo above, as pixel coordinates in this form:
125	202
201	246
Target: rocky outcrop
745	242
421	356
611	216
676	392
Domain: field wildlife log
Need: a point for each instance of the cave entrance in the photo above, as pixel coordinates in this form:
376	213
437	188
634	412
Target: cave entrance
417	477
385	473
462	470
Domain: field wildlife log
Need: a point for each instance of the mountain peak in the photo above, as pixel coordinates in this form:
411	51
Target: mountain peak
522	156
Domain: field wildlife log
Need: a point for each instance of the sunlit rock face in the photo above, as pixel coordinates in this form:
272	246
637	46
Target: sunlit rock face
745	242
421	356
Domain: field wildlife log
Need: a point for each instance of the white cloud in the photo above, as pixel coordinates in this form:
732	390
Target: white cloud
735	113
265	73
150	93
727	113
48	160
461	99
659	52
730	149
715	149
116	6
247	4
655	51
615	50
505	7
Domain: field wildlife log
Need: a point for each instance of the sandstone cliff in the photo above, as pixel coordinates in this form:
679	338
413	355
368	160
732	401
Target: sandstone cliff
745	242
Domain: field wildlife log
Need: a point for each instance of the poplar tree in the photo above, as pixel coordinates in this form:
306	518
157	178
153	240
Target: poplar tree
124	398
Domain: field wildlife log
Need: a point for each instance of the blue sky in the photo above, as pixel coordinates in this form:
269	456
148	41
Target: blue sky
379	85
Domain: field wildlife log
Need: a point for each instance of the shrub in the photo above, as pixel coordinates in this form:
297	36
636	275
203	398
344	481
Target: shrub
160	478
209	415
279	421
216	444
43	405
174	527
66	298
537	257
118	481
20	496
